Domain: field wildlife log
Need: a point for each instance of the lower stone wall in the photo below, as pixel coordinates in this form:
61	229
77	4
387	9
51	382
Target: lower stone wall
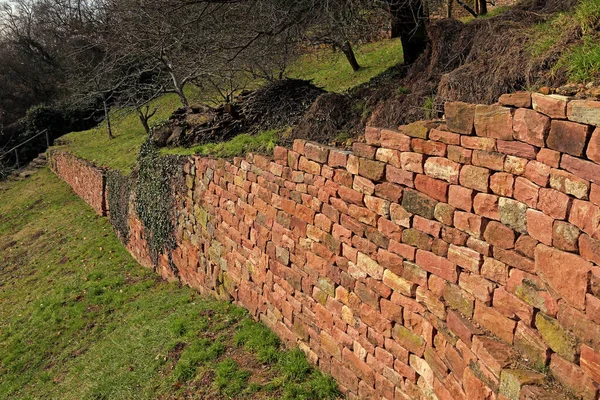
87	180
452	259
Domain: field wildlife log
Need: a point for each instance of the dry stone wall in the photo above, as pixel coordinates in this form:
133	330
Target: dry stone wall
453	259
87	180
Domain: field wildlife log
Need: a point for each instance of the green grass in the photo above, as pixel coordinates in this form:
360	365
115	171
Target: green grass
80	319
580	59
263	142
332	71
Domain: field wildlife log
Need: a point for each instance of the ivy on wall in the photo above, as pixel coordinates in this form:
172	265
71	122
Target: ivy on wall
157	178
118	193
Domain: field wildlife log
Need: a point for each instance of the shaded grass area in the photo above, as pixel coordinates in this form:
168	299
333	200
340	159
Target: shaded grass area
80	319
330	69
326	68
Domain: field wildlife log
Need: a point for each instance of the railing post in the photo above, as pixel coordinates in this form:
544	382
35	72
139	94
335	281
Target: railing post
47	138
17	156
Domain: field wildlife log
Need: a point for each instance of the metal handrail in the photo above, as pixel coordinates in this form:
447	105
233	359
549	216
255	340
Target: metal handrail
25	142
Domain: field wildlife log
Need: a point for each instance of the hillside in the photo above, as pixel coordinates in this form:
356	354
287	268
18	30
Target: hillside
80	319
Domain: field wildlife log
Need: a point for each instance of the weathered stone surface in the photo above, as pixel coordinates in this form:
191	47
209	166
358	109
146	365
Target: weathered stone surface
513	380
573	378
568	137
583	169
569	184
408	339
374	170
584	111
513	214
593	149
460	117
565	236
530	344
475	178
419	129
418	203
517	99
442	168
494	122
554	106
557	337
565	273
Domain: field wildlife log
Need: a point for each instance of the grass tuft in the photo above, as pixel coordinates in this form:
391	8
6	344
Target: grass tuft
582	62
230	379
258	339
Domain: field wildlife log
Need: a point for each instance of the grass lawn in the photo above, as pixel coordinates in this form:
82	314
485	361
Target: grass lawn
326	68
80	319
332	71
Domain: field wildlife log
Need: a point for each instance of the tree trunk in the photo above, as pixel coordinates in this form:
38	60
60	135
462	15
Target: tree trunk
144	120
179	89
449	9
107	118
408	23
350	56
482	7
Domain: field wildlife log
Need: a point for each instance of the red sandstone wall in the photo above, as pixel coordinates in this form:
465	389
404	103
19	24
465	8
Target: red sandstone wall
444	260
87	181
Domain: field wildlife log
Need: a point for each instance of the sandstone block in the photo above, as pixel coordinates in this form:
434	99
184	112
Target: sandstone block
573	377
583	169
434	188
568	183
442	168
584	111
486	205
495	322
593	149
460	197
513	214
373	135
513	380
565	236
517	99
412	162
460	117
568	137
554	106
374	170
316	152
540	226
500	235
590	362
437	265
444	137
418	203
488	159
566	273
531	127
475	178
502	184
395	140
494	122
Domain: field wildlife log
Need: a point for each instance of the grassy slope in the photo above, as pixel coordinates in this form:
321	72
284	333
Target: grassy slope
328	69
80	319
332	71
